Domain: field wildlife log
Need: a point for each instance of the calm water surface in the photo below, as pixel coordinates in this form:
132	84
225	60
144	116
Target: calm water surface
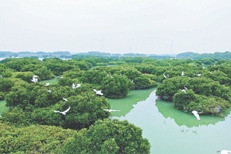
170	131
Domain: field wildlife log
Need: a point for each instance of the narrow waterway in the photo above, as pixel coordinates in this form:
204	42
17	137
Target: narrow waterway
170	131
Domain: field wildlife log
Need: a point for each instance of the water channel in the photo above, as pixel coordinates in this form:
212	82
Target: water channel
170	131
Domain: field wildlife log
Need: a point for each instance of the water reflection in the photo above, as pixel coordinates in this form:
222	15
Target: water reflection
181	118
172	131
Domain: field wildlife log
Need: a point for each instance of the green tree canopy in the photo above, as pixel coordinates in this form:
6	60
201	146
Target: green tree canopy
115	86
109	136
33	139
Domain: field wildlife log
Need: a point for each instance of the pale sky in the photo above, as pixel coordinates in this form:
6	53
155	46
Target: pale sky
117	26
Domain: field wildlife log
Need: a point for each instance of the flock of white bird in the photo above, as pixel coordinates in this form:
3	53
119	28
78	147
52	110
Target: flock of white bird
182	74
99	92
194	112
74	86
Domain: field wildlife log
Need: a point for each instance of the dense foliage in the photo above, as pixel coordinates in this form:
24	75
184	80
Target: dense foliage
202	85
36	104
33	139
109	136
35	123
206	90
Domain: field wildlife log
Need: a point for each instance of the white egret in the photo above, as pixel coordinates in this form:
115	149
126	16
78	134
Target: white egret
196	114
64	112
49	91
65	99
185	88
34	78
74	86
182	73
47	84
0	76
184	91
41	59
198	75
165	76
110	110
98	92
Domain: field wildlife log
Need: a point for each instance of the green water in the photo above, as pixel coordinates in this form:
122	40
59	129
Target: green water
170	131
126	104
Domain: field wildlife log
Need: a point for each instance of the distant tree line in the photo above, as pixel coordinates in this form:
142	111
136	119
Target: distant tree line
216	55
106	55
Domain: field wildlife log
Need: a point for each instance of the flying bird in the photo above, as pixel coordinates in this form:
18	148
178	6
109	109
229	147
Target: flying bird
74	86
110	110
196	114
65	99
41	59
34	78
49	91
98	92
64	112
47	84
184	91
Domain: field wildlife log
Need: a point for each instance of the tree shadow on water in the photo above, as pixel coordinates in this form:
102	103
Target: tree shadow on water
186	119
